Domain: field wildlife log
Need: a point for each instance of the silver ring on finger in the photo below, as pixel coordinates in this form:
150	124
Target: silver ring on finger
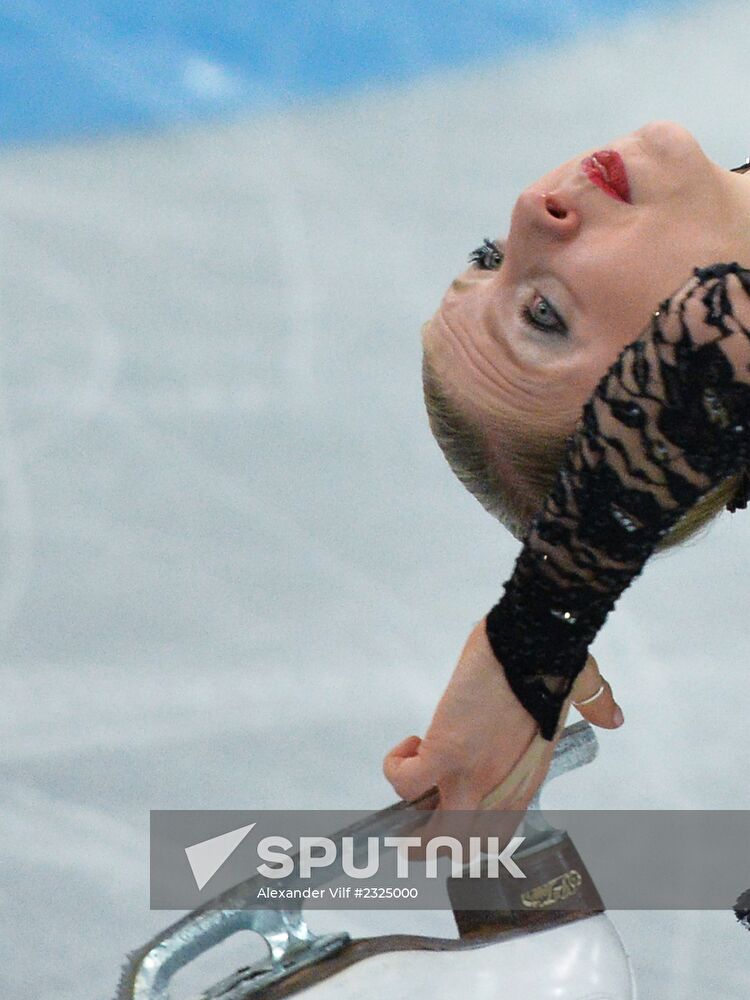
593	697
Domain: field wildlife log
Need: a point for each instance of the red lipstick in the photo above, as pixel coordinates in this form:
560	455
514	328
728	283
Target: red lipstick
607	171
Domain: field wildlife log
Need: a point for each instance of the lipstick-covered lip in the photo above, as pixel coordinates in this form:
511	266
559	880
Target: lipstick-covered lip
607	170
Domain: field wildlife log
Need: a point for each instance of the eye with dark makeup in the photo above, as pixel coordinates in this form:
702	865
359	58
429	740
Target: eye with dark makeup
540	314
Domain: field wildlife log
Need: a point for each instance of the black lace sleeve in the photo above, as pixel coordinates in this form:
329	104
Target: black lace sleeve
666	424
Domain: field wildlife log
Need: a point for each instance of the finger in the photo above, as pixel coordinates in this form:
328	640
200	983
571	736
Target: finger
592	696
458	804
406	770
459	794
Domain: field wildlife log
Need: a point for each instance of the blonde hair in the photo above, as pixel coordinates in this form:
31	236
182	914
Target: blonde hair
537	461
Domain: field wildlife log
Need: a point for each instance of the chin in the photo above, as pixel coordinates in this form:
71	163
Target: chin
669	138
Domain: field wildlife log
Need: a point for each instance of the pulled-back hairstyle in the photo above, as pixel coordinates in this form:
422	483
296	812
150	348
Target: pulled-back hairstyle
536	460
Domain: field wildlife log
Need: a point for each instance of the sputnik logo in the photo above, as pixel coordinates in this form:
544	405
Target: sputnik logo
206	857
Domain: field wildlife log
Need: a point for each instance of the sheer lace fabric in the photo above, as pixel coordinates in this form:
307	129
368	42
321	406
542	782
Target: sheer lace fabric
665	425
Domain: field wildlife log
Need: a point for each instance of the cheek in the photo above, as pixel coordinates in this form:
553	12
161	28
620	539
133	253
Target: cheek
655	259
621	297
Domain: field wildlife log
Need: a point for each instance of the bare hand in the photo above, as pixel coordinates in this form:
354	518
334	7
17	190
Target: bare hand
480	731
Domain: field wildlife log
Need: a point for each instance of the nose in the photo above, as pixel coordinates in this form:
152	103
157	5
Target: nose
552	213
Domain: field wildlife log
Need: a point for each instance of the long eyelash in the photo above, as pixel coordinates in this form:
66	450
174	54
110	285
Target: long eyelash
488	257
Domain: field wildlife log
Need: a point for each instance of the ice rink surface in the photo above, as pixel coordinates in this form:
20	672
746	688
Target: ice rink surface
235	568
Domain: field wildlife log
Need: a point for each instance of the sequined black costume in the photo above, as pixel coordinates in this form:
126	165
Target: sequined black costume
665	425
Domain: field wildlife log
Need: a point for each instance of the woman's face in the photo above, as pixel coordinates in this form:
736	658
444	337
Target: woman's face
520	348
